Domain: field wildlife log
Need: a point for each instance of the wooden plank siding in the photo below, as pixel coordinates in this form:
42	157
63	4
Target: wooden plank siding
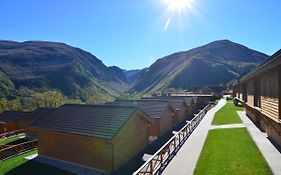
269	95
279	91
250	100
263	87
270	107
250	93
136	136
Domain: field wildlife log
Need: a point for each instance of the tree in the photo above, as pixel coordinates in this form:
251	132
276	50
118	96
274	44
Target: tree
3	105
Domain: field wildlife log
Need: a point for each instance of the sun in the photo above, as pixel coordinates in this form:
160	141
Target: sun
177	11
178	5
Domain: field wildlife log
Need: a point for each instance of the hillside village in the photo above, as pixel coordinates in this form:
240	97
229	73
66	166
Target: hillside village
153	135
140	87
105	128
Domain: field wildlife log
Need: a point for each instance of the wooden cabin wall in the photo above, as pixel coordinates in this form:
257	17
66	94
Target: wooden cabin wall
10	126
154	128
244	92
176	118
130	140
181	114
269	95
87	151
250	93
166	122
23	124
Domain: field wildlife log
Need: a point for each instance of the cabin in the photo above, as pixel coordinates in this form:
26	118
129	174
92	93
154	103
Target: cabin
177	105
185	106
162	115
260	93
38	114
101	137
9	120
202	90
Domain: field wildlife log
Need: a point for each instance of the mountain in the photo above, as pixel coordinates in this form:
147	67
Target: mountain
42	65
134	74
216	63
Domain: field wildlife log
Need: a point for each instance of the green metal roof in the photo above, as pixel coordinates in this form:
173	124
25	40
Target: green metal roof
102	121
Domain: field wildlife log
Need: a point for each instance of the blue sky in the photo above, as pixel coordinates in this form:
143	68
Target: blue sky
131	33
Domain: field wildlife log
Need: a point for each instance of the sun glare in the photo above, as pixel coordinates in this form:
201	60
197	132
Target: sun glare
177	11
178	5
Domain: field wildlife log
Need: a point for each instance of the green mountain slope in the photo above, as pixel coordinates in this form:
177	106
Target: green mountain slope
216	63
49	65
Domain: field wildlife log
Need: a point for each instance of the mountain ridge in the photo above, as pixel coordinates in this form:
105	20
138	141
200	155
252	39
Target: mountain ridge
41	65
181	69
75	72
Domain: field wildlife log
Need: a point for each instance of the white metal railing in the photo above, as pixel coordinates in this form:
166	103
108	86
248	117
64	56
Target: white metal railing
162	157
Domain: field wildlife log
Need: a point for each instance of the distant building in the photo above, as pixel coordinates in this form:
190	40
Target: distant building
38	114
184	106
103	137
202	90
161	113
260	93
9	120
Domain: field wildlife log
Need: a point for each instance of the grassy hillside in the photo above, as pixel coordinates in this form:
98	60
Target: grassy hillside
216	63
41	65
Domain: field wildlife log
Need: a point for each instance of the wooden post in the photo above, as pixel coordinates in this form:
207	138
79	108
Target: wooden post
161	159
151	167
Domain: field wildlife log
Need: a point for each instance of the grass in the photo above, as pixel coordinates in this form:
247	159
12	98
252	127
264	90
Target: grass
231	152
227	115
9	140
19	165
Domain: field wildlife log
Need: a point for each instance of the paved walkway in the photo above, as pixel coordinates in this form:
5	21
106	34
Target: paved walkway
269	152
185	161
228	126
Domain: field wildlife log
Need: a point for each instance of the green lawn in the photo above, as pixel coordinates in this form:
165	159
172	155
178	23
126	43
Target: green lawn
9	140
231	152
19	165
227	115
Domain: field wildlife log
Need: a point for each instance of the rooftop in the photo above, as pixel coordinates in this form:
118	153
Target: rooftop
12	115
154	109
102	121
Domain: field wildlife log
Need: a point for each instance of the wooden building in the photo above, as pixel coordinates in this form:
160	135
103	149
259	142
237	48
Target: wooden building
9	120
38	114
98	136
161	113
184	106
260	93
178	106
202	90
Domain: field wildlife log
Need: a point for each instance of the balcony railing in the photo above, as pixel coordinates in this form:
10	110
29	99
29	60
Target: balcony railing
158	161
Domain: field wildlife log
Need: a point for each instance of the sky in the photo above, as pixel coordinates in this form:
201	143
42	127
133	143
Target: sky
132	34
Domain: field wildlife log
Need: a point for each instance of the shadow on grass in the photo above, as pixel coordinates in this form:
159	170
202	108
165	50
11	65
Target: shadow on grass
35	168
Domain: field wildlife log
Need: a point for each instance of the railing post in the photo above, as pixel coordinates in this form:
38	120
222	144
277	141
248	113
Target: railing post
151	167
161	159
171	146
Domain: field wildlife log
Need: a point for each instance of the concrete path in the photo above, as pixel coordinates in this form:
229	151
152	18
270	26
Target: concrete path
269	152
228	126
185	161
